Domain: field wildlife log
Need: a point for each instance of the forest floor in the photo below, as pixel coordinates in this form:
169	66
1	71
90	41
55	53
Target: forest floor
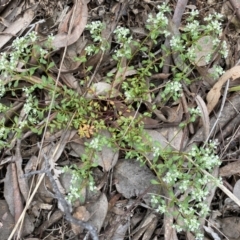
119	119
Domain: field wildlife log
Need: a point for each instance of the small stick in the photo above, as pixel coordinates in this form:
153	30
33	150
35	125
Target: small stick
64	203
62	200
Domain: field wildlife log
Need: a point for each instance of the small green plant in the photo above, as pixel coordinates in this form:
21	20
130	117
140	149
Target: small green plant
186	184
179	172
183	179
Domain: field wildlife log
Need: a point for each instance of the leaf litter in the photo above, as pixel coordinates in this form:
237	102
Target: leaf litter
120	206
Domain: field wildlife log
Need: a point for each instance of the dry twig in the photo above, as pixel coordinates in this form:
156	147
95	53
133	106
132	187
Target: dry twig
62	201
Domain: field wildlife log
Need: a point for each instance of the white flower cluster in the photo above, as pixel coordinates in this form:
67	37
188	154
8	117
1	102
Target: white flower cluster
76	180
172	176
192	223
193	185
95	28
74	193
194	31
193	27
122	34
90	49
29	109
129	95
21	49
213	23
205	157
95	143
204	209
178	228
173	89
199	194
224	49
159	18
158	24
92	186
2	132
218	71
186	210
194	13
184	185
156	151
124	39
194	111
158	203
2	89
177	44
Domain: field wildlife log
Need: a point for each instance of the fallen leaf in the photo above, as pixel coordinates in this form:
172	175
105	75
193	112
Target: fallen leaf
146	227
79	15
236	189
203	47
175	135
230	227
82	214
204	115
230	169
214	94
132	180
211	231
98	211
23	21
170	114
7	221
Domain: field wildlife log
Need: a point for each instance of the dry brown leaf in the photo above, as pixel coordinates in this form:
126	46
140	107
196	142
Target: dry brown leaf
171	114
215	93
146	227
174	137
204	115
212	232
14	207
79	13
18	203
7	220
20	24
236	189
202	48
82	214
132	180
230	169
230	227
98	211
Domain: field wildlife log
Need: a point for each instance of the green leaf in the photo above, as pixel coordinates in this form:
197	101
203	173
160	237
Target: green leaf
154	182
51	64
234	89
